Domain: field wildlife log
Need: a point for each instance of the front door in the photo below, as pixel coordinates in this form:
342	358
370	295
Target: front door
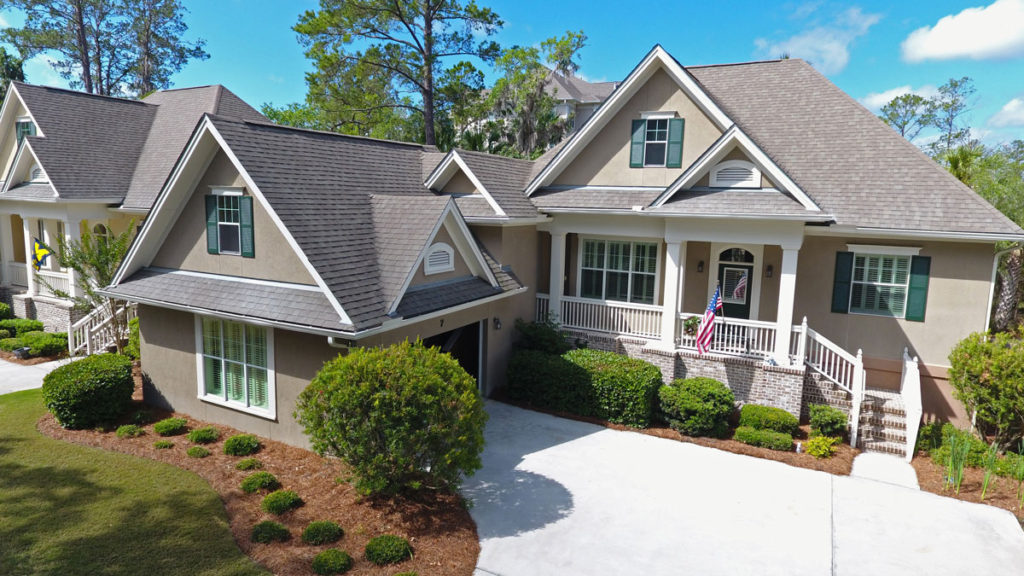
737	282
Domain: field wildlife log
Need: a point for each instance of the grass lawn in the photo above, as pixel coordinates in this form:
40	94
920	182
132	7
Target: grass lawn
68	509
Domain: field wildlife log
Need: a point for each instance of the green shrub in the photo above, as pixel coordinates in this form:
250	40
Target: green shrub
546	336
269	531
260	481
241	445
985	373
163	444
697	406
332	561
974	447
170	426
764	438
823	446
197	452
929	437
769	418
4	334
141	417
388	549
827	421
19	326
130	431
131	350
5	311
205	435
248	464
280	501
322	532
10	344
548	381
401	416
410	573
45	343
90	391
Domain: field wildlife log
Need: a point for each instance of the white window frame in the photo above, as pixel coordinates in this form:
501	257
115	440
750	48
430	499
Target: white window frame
756	174
428	269
658	256
228	192
866	251
270	412
21	120
655	117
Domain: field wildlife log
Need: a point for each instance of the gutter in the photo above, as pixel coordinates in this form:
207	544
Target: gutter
992	287
812	217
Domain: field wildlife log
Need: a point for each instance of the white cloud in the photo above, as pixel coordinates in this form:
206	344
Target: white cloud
875	100
39	70
993	31
827	47
1011	114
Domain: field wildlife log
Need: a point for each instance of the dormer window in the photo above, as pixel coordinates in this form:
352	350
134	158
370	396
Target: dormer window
657	141
24	127
735	174
440	258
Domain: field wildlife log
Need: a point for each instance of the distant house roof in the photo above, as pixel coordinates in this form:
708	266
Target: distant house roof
578	89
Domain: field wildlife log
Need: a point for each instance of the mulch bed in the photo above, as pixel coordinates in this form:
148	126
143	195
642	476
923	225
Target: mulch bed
10	357
1002	492
438	526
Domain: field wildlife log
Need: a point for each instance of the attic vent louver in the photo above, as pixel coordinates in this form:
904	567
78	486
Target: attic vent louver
735	174
440	258
36	173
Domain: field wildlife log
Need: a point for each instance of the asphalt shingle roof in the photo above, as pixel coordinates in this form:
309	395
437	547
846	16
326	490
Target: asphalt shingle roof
402	226
760	203
505	180
603	198
425	299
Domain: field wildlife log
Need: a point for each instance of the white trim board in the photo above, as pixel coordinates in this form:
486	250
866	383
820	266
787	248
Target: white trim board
271	412
444	172
884	250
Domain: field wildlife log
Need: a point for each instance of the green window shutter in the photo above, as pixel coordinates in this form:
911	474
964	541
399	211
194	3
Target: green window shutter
675	143
245	215
636	150
212	240
841	282
917	293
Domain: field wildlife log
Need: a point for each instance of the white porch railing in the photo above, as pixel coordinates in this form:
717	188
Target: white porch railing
94	332
50	282
734	337
910	391
620	318
542	307
17	274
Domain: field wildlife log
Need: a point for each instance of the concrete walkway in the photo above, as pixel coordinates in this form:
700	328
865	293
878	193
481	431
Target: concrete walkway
15	377
562	497
884	468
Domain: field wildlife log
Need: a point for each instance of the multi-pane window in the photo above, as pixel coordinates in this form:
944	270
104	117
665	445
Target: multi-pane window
24	128
235	363
620	271
879	284
229	224
656	142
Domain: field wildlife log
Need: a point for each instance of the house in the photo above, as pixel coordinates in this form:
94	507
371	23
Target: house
74	161
848	262
577	98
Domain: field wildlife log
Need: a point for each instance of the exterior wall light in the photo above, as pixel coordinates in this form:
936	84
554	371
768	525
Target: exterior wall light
768	271
497	323
700	267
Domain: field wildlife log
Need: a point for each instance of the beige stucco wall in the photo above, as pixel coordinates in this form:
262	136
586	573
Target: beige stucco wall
459	184
186	245
461	269
605	160
695	284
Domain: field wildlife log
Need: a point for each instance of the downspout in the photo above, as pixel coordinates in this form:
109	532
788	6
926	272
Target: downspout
992	283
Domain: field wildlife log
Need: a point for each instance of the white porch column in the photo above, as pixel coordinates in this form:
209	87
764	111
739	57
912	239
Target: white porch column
784	314
557	281
28	225
6	248
72	233
675	254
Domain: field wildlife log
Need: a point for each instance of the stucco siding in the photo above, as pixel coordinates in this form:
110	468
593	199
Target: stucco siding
461	270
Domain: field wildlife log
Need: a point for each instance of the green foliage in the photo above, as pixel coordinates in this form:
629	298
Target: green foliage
322	532
959	448
410	573
248	464
241	445
908	114
130	431
90	391
10	344
131	350
388	549
986	372
280	501
546	336
260	481
45	343
19	326
163	444
827	421
5	308
768	418
765	438
823	446
991	460
332	561
401	416
548	381
141	417
204	435
976	447
197	452
269	531
4	334
170	426
697	406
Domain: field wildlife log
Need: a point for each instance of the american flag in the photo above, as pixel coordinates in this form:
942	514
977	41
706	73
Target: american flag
739	292
706	331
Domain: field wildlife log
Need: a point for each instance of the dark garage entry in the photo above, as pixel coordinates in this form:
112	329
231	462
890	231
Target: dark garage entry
464	344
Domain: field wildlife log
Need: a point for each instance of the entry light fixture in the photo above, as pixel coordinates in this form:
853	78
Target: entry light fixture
700	267
497	323
768	271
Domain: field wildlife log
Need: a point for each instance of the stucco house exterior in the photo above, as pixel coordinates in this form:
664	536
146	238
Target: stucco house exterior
849	262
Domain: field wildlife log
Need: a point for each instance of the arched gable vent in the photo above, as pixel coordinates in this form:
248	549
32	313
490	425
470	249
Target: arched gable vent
440	258
36	173
735	174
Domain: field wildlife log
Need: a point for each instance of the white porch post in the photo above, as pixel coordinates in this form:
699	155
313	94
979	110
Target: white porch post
30	274
784	314
6	248
72	234
671	293
557	281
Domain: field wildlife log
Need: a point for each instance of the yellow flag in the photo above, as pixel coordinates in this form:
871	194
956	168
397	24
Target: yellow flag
39	254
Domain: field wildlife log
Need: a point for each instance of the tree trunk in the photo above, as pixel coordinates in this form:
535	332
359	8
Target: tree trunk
1006	309
428	75
82	40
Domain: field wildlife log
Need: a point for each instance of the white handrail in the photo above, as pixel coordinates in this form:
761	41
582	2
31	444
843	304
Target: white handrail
92	333
734	336
830	360
910	391
643	320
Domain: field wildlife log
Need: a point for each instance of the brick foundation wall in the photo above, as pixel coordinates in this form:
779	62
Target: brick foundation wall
56	315
819	390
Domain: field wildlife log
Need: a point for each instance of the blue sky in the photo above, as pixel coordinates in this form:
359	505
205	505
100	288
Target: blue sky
872	49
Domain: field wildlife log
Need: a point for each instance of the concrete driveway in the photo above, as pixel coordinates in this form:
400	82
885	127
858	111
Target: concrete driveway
15	377
562	497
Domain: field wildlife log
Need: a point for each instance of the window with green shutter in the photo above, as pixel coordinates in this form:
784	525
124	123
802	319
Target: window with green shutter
656	142
24	127
229	224
236	365
881	284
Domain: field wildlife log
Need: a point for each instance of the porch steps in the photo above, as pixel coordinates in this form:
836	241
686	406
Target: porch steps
883	422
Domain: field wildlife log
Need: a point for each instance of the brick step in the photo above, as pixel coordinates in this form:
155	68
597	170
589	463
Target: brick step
836	401
881	433
837	395
875	405
883	420
884	446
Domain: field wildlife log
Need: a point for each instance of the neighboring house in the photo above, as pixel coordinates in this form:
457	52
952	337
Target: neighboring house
74	162
577	98
273	249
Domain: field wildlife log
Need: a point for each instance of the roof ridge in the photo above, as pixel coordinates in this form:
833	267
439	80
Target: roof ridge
80	93
745	63
269	124
489	155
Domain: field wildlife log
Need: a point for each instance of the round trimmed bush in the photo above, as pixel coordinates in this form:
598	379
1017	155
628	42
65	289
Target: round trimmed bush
697	406
332	561
768	418
45	343
827	421
269	531
163	444
260	481
822	446
130	431
197	452
401	416
248	464
90	391
764	438
5	311
388	549
170	426
204	435
241	445
4	334
280	501
322	532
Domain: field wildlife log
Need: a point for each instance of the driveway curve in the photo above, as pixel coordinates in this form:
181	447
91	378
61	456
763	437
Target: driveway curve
557	496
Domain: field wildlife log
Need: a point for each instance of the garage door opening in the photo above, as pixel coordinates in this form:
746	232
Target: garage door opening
465	344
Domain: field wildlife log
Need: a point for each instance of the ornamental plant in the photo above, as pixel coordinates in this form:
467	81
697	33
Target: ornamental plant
260	481
269	531
822	446
768	418
322	532
94	390
697	406
280	501
241	445
332	561
170	426
985	373
388	549
827	421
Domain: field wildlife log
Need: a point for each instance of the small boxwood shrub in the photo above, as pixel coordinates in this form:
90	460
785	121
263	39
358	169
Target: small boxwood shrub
322	532
170	426
45	343
131	350
10	344
19	326
241	445
141	417
5	311
697	406
130	431
332	561
163	444
4	334
205	435
280	501
388	549
976	446
827	421
545	336
764	438
822	446
197	452
410	573
769	418
548	381
90	391
269	531
248	464
260	481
